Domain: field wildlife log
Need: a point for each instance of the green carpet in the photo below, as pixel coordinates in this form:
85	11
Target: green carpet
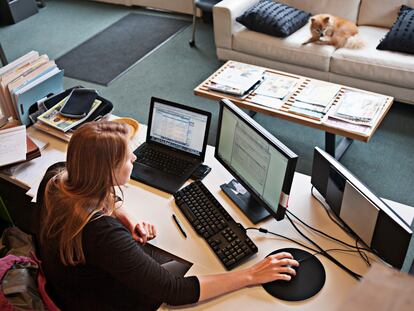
172	71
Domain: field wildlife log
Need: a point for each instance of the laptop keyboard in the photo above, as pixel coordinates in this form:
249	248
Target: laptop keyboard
162	161
207	216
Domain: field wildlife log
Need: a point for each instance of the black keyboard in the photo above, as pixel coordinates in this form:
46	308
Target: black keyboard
207	216
163	161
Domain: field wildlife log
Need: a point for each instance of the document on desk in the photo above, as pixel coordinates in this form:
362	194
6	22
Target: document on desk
13	145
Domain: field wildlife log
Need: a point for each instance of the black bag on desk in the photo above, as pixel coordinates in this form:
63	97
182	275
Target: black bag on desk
104	108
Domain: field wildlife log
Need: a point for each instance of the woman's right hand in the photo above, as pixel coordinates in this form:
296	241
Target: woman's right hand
272	268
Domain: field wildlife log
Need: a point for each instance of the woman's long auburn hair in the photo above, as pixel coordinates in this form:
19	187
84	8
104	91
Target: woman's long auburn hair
87	186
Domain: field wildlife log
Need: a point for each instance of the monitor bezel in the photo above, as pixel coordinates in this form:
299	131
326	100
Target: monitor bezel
173	104
278	145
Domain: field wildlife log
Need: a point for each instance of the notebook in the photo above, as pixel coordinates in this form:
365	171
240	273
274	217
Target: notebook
175	145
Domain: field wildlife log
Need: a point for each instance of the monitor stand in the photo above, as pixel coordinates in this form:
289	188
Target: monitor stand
245	201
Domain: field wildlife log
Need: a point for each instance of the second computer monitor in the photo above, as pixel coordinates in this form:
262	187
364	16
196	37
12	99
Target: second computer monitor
262	165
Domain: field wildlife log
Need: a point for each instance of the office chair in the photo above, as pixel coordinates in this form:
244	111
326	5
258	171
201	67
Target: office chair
207	7
3	58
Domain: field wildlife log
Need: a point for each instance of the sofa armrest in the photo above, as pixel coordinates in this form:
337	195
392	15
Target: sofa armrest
224	15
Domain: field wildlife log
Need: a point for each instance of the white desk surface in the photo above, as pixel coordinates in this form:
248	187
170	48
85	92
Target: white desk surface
157	207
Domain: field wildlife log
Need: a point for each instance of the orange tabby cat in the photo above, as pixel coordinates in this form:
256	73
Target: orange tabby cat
327	29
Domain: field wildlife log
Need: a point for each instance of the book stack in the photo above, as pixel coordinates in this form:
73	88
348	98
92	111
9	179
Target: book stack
237	79
25	81
315	100
17	146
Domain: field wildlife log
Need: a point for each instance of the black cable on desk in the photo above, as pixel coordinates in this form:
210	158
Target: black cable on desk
263	230
350	233
323	252
358	249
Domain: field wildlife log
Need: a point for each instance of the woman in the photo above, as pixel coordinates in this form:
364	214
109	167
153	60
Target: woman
93	254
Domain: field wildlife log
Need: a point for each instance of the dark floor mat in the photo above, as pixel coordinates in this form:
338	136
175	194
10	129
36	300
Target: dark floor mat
111	52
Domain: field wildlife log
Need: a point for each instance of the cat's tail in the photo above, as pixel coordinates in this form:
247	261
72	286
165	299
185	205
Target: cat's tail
354	42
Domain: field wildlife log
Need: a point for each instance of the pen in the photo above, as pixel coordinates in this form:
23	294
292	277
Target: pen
179	225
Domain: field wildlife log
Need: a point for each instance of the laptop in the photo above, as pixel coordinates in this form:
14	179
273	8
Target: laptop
175	145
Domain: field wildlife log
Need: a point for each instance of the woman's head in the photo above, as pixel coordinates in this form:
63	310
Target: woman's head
96	153
98	160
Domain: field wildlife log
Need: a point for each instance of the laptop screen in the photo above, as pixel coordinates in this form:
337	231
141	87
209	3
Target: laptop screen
179	128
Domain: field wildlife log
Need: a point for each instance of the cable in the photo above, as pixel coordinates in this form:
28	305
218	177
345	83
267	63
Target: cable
324	234
350	233
263	230
328	250
339	264
321	251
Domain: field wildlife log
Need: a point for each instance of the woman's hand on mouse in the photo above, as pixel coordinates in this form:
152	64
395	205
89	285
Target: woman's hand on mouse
272	268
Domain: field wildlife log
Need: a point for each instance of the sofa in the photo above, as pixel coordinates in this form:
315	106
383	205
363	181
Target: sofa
180	6
386	72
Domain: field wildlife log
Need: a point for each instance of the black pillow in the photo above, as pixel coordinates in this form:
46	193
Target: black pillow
401	36
273	18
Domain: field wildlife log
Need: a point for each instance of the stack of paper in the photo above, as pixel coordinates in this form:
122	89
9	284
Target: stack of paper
359	107
273	90
237	79
13	145
25	81
315	99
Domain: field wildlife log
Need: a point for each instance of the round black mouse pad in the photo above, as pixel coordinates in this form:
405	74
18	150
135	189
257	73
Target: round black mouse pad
309	279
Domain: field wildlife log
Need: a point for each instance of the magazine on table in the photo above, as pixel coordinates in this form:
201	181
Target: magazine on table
237	79
359	107
350	127
276	86
53	118
266	101
319	93
307	113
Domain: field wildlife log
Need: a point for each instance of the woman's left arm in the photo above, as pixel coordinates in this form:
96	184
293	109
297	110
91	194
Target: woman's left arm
141	231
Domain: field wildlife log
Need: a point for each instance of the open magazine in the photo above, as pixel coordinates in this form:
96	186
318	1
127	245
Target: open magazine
237	79
53	118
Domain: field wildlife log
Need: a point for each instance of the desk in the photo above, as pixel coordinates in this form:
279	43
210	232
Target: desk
157	207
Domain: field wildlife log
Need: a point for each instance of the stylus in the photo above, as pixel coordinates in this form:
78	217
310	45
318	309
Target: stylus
179	225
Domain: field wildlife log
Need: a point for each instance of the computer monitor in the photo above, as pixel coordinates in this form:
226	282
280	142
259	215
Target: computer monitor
262	165
370	218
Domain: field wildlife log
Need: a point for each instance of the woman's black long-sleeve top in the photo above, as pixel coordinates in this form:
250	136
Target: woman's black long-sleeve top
118	273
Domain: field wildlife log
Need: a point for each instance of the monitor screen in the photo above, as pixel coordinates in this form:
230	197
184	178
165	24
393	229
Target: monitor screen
261	163
179	128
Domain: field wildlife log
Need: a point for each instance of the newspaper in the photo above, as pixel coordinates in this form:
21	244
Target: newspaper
53	117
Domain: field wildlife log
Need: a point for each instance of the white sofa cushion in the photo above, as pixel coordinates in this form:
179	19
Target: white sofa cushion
288	50
382	13
345	8
371	64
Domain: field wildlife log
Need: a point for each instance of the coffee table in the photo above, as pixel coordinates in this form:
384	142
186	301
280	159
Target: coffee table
331	129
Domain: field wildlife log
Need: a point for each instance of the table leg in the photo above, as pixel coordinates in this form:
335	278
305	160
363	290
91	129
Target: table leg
336	151
3	56
251	113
